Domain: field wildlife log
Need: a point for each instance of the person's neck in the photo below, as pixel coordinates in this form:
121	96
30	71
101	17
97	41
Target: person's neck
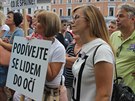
12	28
79	43
63	33
127	32
88	39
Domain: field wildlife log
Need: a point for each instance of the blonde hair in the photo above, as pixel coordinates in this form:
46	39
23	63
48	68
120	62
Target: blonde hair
2	18
96	21
38	10
50	21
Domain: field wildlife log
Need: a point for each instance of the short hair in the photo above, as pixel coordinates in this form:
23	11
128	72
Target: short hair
17	17
128	8
2	18
113	22
50	21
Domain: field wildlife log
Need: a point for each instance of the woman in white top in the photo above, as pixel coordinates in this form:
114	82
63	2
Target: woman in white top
93	73
47	26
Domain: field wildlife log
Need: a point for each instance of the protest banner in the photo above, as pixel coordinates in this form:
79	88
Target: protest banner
21	4
28	66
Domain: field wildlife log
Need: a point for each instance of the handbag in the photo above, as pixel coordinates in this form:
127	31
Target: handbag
57	94
4	56
121	92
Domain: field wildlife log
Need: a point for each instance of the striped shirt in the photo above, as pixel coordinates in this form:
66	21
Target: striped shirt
68	71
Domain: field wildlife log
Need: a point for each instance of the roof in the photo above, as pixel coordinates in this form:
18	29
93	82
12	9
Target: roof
43	1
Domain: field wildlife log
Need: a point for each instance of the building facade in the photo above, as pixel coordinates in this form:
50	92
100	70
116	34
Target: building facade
41	4
107	7
64	7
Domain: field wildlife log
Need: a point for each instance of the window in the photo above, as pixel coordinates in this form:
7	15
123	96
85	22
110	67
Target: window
7	9
69	12
76	0
54	1
47	8
29	10
60	1
80	0
69	1
111	11
1	5
88	0
54	10
124	0
61	12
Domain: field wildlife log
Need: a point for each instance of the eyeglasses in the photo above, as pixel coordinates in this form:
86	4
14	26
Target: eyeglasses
75	17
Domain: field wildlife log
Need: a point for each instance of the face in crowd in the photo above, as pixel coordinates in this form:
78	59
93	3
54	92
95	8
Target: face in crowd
45	22
34	17
88	22
14	18
125	17
63	26
112	27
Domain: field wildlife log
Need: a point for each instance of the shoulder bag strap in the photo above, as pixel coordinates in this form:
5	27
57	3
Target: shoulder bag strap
80	74
95	52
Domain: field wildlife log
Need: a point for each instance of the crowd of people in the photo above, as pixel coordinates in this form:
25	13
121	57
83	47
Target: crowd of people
85	51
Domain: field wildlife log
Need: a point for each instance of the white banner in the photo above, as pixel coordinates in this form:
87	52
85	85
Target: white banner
21	4
28	66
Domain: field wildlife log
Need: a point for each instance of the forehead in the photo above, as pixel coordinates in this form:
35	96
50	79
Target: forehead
78	11
111	24
10	14
122	12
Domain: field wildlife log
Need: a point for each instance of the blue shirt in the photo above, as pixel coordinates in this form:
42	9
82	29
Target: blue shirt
10	38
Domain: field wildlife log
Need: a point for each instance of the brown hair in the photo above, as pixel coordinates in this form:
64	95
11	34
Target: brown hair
50	21
96	21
